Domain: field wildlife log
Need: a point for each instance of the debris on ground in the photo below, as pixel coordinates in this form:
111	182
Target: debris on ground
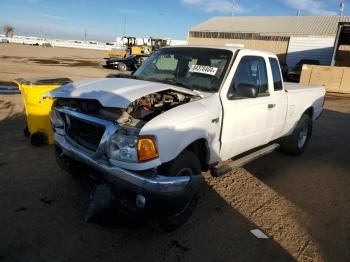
100	202
259	234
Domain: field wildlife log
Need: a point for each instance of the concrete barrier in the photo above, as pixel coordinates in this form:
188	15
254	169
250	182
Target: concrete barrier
334	78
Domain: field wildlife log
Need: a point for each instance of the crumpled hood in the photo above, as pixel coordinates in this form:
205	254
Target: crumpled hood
113	92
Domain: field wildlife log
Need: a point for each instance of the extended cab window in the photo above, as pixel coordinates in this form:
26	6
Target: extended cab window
251	71
276	74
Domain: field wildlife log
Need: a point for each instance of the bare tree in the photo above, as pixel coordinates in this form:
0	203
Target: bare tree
8	29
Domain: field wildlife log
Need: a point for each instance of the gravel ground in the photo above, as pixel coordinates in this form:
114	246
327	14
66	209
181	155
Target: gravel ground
301	203
34	61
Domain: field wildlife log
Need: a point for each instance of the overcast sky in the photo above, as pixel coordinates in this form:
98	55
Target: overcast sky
104	19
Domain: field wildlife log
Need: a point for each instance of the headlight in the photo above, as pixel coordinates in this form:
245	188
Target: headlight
122	147
131	148
56	120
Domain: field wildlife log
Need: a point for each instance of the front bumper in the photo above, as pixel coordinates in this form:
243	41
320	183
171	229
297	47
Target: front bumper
163	195
150	181
111	64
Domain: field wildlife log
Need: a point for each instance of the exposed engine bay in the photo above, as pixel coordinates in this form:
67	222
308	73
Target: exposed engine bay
137	113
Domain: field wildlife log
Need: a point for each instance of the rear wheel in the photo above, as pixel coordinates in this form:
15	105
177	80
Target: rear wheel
122	67
186	164
295	143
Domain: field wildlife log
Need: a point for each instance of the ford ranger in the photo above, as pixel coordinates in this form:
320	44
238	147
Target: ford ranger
150	135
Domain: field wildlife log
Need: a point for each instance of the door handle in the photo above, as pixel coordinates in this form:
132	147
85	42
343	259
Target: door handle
270	106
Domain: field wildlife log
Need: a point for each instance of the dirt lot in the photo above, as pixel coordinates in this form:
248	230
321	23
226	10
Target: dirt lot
34	61
302	203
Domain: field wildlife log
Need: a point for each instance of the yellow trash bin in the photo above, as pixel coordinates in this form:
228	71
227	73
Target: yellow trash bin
38	109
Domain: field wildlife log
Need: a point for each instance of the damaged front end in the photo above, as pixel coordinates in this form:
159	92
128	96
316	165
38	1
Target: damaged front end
107	140
89	125
136	114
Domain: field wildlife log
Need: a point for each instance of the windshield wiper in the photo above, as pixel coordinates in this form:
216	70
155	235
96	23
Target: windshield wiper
174	81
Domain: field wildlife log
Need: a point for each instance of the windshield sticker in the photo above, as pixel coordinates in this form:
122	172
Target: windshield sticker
208	70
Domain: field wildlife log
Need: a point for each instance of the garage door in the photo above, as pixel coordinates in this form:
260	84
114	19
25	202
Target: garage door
320	48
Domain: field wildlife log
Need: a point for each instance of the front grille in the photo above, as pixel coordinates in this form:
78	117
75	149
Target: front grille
86	134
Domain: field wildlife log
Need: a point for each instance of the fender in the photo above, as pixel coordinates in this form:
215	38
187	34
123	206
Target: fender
178	128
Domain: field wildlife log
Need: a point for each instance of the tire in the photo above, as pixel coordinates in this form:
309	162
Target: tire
122	67
295	143
187	163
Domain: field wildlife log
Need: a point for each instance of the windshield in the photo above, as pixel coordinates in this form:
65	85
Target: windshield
193	68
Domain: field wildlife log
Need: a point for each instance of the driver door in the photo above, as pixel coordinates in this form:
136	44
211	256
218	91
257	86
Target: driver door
246	121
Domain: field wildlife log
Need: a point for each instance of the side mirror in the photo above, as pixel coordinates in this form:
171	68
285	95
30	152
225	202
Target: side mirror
243	90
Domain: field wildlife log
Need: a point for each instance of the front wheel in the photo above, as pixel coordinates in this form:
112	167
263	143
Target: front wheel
295	143
186	164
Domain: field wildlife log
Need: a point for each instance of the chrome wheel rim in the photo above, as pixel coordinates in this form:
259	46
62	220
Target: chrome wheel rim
302	135
122	67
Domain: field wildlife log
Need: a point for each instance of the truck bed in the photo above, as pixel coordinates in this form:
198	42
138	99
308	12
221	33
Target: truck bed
300	98
295	87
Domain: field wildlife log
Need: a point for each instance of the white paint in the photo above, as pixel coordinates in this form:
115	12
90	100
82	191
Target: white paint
229	127
319	48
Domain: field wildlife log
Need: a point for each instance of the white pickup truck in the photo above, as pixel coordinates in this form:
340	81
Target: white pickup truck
148	136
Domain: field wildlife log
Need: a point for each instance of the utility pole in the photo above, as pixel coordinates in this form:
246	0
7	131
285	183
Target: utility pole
85	35
341	8
233	7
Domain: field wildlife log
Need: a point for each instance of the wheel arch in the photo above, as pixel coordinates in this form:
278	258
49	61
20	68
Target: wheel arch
201	149
309	111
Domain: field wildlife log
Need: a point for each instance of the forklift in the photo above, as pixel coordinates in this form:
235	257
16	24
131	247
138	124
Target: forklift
131	48
157	43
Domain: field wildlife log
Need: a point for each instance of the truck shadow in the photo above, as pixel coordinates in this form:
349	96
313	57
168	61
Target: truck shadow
287	198
43	209
316	184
